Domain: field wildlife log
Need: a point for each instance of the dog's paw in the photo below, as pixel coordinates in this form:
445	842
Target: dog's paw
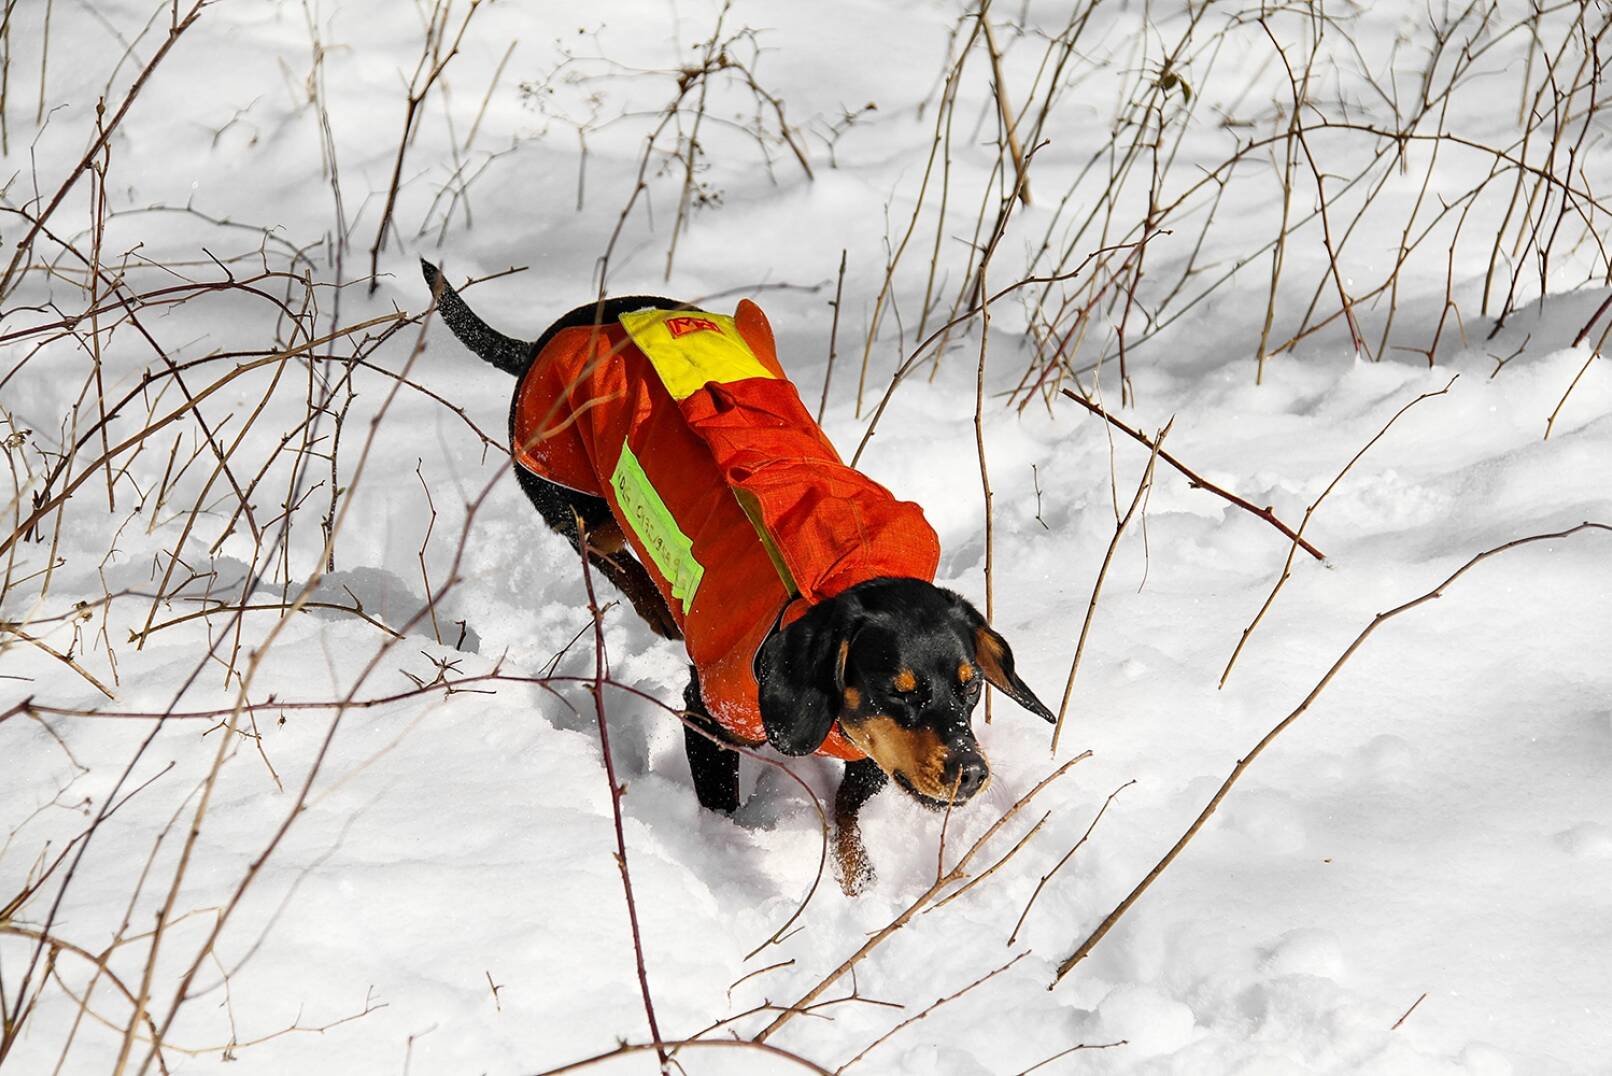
852	867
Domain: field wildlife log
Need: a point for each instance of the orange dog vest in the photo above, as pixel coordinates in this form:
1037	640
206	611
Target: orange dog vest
729	493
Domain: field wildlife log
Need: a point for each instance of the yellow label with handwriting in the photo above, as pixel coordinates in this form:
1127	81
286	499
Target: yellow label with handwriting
658	532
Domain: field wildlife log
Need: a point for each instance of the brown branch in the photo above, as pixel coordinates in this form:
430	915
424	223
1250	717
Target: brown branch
759	971
1009	125
284	607
894	256
255	867
992	869
1408	1011
1595	353
1584	333
1196	480
103	133
1120	525
1247	760
191	403
435	36
730	1044
102	966
715	58
1073	1049
1067	856
833	337
615	789
814	1010
938	1002
425	576
1002	217
1320	192
964	315
955	874
59	656
1287	567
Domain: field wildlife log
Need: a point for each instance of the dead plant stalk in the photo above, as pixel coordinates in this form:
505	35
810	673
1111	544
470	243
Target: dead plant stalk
1124	906
956	873
597	692
1309	513
1120	526
429	68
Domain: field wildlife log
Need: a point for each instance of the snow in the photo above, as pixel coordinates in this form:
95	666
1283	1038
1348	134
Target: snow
1439	822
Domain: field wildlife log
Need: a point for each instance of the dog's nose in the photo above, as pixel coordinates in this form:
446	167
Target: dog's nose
967	773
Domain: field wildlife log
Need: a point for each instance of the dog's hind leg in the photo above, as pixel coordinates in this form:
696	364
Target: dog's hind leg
568	513
714	768
629	577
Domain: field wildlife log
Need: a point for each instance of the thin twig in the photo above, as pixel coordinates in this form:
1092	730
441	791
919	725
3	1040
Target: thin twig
615	789
25	244
1120	525
433	61
1406	1015
1085	947
1074	1049
1067	856
59	656
937	1003
833	337
1287	567
955	874
1197	481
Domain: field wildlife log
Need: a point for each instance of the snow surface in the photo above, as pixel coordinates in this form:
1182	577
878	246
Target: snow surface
1439	822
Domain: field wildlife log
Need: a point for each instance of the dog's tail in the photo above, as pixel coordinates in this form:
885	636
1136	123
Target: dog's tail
505	352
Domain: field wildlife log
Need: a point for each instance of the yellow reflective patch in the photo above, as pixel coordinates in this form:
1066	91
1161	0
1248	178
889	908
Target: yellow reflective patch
691	348
657	530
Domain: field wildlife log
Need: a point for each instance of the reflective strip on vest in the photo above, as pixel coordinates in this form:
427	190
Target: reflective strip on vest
647	514
691	348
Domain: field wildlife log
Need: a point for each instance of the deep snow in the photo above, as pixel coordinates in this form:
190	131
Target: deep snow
1439	822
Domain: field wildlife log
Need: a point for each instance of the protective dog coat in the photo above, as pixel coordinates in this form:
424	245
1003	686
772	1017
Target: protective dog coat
734	500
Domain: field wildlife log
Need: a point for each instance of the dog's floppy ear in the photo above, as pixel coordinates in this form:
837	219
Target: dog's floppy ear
995	659
801	672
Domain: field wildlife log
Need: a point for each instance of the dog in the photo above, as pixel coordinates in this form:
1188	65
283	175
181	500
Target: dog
666	444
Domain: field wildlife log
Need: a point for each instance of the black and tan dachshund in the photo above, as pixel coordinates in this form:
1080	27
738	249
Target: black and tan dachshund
896	665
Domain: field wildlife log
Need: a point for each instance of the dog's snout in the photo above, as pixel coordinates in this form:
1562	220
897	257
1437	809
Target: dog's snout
967	772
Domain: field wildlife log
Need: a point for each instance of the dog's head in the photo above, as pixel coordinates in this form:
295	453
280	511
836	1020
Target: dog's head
900	665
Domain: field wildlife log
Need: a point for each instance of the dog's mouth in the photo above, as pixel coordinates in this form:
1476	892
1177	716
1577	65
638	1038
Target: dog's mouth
901	752
927	802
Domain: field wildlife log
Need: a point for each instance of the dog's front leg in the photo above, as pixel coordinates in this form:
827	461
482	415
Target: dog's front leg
862	779
714	768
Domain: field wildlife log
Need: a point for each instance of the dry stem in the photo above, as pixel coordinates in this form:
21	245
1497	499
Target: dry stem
957	873
1113	917
1102	573
1197	481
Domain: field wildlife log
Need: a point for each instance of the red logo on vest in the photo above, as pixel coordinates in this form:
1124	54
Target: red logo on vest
683	326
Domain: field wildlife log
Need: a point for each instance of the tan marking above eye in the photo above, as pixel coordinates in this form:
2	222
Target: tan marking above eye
853	698
965	672
905	680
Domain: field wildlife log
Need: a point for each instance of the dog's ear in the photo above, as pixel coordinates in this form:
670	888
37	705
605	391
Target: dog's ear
801	672
995	659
